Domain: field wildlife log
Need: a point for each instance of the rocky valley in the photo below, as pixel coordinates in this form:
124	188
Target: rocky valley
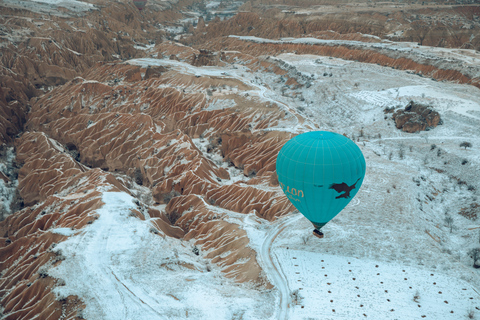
138	159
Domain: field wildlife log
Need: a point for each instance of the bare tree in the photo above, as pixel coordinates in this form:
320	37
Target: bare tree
449	222
296	297
420	29
305	238
475	254
401	151
465	145
416	297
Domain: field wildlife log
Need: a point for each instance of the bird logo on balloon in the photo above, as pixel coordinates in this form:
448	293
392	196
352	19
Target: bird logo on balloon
343	187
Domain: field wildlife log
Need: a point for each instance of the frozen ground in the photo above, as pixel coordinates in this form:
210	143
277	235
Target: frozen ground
337	287
123	270
7	187
397	220
466	61
74	7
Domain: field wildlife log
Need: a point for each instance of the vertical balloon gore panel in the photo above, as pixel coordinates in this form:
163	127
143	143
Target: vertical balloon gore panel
320	172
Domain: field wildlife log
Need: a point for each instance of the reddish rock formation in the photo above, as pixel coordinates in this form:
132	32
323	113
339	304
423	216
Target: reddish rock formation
224	242
26	240
106	118
343	52
111	118
416	117
205	58
442	26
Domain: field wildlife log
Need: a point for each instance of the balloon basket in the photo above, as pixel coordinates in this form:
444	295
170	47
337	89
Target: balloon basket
317	233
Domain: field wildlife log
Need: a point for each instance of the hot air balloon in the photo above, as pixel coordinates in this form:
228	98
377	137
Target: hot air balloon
320	172
140	4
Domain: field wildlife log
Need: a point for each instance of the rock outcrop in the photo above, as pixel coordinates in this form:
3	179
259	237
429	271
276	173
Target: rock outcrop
416	117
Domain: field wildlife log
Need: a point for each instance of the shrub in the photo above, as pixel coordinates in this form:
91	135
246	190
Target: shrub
196	251
416	297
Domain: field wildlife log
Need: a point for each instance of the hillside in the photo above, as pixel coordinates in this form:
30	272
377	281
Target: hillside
138	161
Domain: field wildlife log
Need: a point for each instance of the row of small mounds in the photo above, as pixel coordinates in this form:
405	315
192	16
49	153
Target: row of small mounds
415	117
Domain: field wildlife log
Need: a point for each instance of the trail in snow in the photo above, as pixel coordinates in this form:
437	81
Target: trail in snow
94	257
273	268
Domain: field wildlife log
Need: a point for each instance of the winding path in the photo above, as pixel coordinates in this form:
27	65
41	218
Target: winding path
272	266
92	268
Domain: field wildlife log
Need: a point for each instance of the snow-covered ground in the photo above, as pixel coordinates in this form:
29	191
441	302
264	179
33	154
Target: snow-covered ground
7	188
468	60
390	254
338	287
123	270
74	7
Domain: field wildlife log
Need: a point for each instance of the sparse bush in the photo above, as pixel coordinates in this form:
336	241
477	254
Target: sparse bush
168	196
432	147
465	145
43	272
390	155
401	151
173	216
475	254
252	173
471	314
449	222
138	176
305	239
296	297
416	297
196	251
238	315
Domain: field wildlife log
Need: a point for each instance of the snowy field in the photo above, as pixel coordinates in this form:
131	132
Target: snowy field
388	255
74	7
337	287
123	270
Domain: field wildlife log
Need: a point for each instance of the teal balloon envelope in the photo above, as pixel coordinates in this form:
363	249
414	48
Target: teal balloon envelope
320	172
